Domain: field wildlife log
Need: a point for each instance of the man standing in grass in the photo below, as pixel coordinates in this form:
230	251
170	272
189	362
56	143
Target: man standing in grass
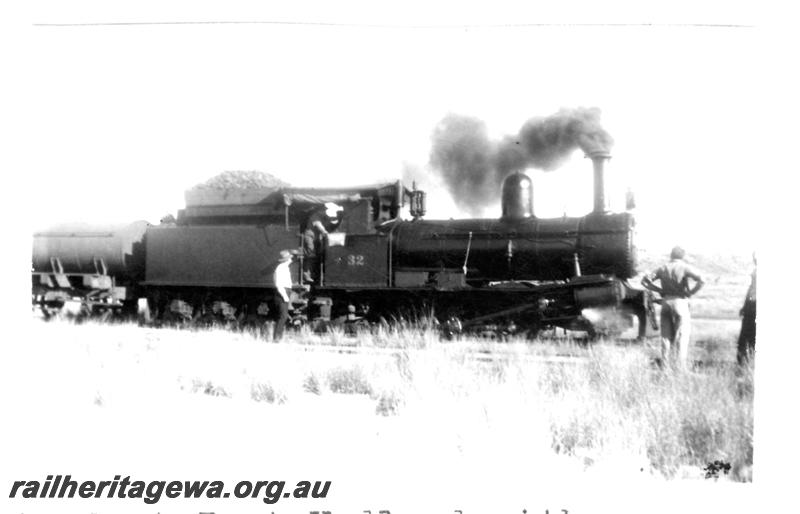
282	279
676	318
746	347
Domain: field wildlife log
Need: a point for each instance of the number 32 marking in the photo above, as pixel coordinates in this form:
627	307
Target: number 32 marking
355	260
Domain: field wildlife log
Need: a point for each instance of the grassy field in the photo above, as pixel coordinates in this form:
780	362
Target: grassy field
603	408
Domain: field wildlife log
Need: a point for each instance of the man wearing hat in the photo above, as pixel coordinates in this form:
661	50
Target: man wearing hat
282	278
314	233
676	318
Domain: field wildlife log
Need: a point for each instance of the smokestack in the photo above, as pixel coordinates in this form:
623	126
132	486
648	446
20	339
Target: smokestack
599	159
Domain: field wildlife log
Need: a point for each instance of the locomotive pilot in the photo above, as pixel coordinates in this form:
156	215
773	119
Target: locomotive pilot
675	291
282	278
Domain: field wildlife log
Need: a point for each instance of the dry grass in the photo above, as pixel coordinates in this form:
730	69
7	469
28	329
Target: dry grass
600	408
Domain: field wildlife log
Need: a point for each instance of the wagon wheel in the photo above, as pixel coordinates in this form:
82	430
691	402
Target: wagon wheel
49	311
176	319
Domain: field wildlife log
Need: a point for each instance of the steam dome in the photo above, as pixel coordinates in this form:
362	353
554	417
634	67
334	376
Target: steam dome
517	199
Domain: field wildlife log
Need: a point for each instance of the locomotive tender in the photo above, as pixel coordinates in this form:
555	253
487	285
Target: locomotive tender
514	274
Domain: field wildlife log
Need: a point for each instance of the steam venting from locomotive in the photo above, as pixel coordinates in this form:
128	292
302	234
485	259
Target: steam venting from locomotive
473	166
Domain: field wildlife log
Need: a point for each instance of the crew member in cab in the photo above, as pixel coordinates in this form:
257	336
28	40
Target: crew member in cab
315	228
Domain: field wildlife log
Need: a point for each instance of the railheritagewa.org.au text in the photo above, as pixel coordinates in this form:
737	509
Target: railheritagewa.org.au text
64	486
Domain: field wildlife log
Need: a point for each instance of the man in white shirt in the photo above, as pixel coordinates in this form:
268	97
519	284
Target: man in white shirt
282	278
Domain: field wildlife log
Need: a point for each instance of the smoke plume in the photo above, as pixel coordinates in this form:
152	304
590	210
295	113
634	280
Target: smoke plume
462	154
473	166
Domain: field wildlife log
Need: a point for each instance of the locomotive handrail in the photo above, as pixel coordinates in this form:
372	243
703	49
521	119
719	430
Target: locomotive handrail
466	257
74	234
489	234
391	252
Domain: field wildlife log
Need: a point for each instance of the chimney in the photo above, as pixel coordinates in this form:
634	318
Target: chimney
599	159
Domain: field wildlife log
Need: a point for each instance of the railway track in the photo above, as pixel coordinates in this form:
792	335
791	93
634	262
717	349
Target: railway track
550	349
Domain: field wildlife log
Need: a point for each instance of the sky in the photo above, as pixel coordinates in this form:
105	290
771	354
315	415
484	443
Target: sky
125	118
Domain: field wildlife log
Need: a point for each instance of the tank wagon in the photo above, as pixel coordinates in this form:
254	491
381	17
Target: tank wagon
513	274
102	266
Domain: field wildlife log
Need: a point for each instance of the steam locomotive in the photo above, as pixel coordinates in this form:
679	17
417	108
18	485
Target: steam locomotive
517	274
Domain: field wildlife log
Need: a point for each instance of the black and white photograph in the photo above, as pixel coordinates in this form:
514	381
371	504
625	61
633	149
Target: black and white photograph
418	258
